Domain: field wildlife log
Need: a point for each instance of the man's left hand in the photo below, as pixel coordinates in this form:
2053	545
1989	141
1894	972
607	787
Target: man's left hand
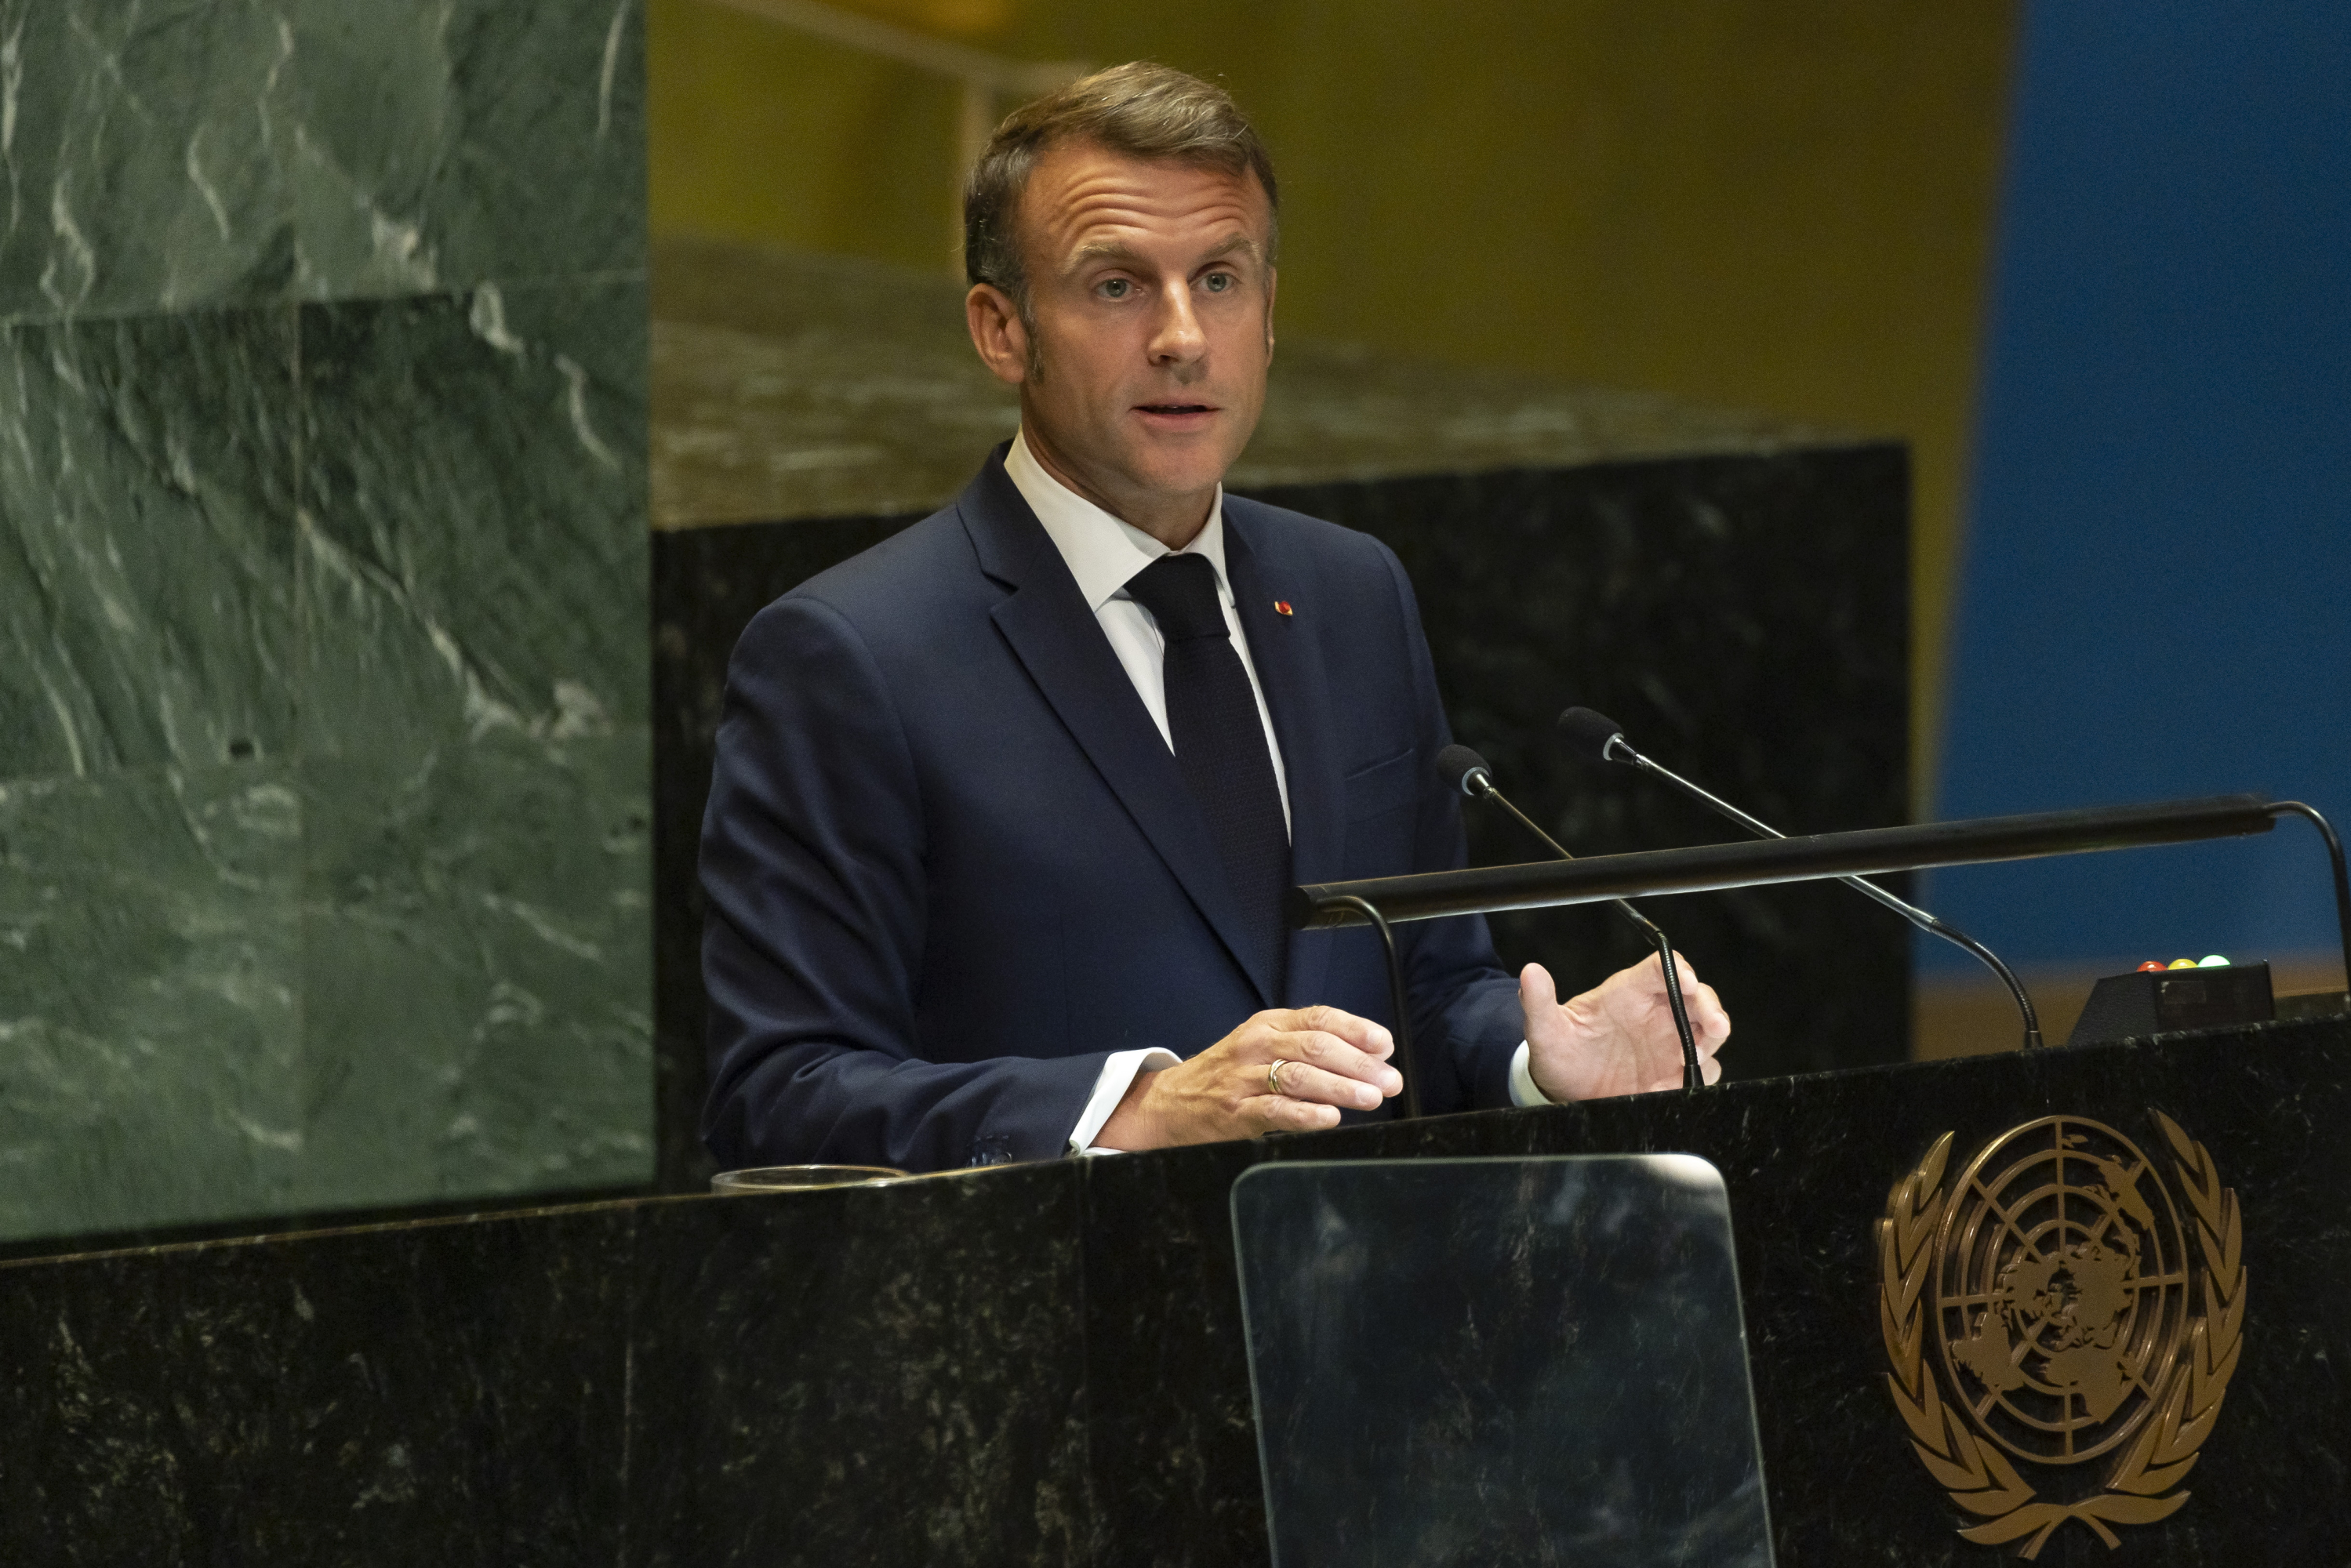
1617	1037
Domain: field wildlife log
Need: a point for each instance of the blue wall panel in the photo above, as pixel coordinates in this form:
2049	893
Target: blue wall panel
2157	600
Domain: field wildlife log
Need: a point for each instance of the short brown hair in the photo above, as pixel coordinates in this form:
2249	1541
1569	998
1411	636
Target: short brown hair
1140	109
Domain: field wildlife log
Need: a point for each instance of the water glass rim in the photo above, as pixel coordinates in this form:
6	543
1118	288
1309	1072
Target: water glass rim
768	1179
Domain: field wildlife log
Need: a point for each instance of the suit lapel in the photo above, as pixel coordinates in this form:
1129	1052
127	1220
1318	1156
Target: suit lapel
1059	642
1288	658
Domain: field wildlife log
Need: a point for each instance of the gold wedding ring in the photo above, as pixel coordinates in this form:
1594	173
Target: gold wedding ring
1273	1074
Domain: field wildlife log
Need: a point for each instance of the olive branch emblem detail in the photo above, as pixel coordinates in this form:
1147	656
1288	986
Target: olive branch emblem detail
2141	1484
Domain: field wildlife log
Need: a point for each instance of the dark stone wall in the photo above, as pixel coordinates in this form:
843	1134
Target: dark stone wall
1747	619
707	584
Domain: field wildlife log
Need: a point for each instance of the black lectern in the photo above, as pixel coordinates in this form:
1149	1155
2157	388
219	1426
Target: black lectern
2227	1351
1046	1364
2063	1268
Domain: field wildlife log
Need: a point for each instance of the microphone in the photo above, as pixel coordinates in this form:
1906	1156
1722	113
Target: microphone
1597	735
1465	771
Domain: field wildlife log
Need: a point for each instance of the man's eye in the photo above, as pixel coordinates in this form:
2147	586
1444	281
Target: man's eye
1117	288
1217	282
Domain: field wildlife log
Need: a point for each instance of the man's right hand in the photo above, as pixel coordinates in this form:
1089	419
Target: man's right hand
1330	1059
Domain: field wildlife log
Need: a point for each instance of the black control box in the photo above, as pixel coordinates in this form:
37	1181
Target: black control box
2153	1001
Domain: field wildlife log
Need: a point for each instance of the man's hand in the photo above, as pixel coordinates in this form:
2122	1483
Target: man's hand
1330	1059
1617	1037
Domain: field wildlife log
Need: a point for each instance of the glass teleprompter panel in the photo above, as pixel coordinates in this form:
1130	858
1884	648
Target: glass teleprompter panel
1500	1361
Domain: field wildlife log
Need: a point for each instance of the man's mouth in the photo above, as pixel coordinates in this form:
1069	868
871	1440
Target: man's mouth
1176	408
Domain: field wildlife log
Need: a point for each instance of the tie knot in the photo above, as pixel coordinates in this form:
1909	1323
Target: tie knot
1180	592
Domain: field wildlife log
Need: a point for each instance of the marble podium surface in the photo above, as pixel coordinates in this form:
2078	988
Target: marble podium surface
1045	1364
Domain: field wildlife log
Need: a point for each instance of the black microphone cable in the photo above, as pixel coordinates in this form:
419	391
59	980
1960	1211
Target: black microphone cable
1598	735
1465	771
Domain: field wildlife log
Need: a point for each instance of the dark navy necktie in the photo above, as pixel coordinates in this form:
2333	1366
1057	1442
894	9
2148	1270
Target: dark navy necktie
1220	746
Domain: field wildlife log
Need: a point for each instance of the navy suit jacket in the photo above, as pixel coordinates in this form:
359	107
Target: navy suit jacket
951	864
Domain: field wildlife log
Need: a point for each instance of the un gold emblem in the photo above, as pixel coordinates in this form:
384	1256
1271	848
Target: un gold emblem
2047	1306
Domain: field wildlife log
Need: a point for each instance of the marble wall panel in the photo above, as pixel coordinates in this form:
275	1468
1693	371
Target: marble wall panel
201	151
147	567
142	165
476	970
478	928
323	710
472	509
440	146
150	1010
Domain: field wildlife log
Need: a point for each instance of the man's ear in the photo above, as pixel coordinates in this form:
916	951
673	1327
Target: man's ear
1271	277
998	333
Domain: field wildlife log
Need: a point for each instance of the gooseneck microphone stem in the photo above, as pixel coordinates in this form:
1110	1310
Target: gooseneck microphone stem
1967	944
1478	784
2342	877
1405	1063
1618	749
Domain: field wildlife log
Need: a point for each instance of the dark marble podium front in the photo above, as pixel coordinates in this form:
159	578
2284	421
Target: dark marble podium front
1044	1363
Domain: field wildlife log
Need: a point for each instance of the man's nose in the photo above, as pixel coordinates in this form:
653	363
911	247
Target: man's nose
1176	337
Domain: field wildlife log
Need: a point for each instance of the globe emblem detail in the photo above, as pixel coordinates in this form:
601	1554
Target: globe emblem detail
2061	1290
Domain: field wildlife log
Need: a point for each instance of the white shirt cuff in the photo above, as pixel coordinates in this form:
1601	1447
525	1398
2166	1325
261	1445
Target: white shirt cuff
1111	1087
1523	1092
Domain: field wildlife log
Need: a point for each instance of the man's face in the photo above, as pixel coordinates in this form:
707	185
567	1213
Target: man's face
1142	365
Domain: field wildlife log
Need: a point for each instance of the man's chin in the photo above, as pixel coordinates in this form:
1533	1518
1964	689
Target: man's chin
1177	481
1180	461
1129	469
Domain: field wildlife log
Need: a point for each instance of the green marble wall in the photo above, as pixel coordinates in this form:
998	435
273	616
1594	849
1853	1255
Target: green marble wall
324	729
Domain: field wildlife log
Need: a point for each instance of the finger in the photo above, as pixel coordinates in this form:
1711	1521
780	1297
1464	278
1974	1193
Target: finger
1281	1113
1710	1023
1687	973
1709	1071
1696	993
1708	1020
1314	1084
1536	988
1365	1036
1337	1056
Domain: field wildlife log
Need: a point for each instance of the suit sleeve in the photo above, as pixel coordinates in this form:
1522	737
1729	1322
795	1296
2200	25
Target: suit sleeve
812	867
1467	1021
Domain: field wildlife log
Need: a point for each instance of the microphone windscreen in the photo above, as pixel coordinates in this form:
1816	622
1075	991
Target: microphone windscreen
1456	763
1588	732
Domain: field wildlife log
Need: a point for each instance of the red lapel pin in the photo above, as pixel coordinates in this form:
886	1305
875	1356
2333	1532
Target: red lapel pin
1281	607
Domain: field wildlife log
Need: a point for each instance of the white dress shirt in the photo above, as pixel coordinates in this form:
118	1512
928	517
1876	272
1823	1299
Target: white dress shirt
1103	553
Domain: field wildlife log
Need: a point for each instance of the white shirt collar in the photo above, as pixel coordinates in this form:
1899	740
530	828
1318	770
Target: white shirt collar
1102	551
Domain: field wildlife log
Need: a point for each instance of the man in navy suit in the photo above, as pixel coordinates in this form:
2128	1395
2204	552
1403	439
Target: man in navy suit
1004	807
